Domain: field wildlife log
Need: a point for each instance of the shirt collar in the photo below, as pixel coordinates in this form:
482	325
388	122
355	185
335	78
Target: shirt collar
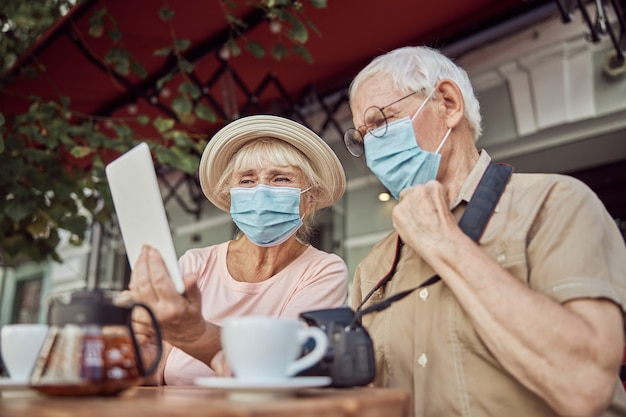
473	179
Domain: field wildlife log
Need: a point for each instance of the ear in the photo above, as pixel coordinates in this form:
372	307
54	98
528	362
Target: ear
452	102
310	197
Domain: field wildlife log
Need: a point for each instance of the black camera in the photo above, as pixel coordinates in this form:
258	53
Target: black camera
349	359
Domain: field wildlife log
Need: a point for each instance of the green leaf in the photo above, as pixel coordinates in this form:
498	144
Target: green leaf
102	216
163	124
312	26
32	132
279	51
17	210
96	139
177	158
182	44
116	55
298	30
75	224
39	228
143	119
185	66
123	131
122	67
120	59
203	112
256	49
301	50
35	155
138	69
28	72
13	245
190	89
96	30
161	81
2	146
318	4
162	52
65	101
91	203
182	105
96	23
81	151
235	21
166	14
115	35
233	47
181	138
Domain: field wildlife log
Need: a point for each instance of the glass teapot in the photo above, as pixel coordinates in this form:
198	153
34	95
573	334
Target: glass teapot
91	347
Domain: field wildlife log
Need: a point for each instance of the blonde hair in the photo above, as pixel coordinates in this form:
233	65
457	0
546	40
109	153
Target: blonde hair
255	154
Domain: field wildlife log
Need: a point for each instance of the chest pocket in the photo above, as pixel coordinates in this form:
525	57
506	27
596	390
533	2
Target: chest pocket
511	255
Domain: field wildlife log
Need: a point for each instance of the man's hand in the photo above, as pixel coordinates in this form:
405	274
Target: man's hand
423	218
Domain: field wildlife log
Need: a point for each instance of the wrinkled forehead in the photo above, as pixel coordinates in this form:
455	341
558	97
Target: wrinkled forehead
269	153
376	91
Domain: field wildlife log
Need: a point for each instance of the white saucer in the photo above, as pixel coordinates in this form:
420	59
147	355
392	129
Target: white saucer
255	390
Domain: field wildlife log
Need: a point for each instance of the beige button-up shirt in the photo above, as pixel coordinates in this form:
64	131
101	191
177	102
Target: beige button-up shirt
552	233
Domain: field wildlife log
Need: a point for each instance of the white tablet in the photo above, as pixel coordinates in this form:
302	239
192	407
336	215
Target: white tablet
139	207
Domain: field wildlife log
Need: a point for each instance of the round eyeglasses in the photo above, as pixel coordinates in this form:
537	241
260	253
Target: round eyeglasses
374	117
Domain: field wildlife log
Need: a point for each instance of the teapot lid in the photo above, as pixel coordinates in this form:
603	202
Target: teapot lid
88	307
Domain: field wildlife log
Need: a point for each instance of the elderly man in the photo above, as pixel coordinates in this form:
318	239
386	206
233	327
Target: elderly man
529	321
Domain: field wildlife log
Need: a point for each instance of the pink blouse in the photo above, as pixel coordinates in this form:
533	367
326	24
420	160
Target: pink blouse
315	280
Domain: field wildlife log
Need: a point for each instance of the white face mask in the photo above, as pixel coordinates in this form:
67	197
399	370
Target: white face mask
267	215
396	158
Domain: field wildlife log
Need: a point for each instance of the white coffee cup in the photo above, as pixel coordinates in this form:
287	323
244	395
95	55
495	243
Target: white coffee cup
20	345
268	348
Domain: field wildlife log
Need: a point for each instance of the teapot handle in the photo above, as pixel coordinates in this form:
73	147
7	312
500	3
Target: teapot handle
157	330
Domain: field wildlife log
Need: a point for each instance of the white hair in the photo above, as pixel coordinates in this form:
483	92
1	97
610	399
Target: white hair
419	68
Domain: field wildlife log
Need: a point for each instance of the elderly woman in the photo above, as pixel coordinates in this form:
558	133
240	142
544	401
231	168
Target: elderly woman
272	175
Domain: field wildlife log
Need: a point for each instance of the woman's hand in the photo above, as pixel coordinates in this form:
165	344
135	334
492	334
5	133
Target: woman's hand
220	365
179	315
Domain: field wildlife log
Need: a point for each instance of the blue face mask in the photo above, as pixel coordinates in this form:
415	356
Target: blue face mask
267	215
396	158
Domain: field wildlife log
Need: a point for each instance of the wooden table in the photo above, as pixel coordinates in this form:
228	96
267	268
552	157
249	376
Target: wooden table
199	401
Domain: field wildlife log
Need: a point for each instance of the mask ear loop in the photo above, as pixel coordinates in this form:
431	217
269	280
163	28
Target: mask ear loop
445	138
302	192
419	109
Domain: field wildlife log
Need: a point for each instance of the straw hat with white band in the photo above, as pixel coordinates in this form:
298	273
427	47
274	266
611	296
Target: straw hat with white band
228	140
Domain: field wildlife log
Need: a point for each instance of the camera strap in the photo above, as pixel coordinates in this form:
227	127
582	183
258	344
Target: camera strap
472	223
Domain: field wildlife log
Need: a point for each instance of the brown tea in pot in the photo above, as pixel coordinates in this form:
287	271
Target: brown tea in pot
91	349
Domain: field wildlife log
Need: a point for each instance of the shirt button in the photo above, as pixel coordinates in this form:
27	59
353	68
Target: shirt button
501	258
422	360
424	294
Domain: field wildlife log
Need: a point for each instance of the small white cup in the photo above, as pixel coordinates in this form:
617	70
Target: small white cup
268	348
20	344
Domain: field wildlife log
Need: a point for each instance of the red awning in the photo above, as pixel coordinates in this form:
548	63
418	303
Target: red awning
71	62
